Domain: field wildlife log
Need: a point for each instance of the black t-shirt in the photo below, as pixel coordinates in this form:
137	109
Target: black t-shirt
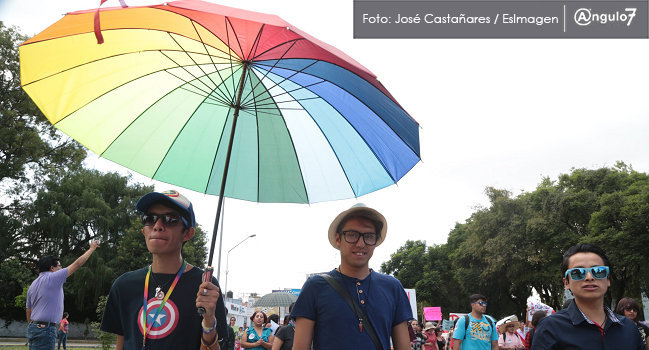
644	332
177	326
286	334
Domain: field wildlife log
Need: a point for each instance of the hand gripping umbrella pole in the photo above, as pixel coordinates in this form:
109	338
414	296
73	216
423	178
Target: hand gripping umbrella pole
209	270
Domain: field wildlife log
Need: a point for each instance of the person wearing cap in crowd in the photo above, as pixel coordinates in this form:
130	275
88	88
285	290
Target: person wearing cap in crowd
44	303
587	323
508	338
322	314
155	307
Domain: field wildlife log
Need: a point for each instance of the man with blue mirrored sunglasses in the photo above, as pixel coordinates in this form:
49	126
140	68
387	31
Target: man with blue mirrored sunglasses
587	323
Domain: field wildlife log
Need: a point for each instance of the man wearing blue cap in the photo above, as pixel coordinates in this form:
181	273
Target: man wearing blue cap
155	307
324	315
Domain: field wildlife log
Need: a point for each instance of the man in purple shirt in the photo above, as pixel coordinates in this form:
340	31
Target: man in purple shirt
45	299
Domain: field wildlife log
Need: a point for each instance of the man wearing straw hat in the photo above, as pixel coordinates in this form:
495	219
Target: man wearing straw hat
324	315
165	316
509	339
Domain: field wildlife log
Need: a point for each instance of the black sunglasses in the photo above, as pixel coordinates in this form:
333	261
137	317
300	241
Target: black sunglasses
167	220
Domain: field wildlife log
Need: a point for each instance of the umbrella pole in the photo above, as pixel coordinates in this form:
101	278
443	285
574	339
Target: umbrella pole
227	162
209	270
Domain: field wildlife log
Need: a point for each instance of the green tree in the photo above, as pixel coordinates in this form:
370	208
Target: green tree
29	145
517	243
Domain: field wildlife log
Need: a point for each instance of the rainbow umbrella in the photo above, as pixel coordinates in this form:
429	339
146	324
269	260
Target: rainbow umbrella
221	101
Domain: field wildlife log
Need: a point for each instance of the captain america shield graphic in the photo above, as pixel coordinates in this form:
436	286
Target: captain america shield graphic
163	324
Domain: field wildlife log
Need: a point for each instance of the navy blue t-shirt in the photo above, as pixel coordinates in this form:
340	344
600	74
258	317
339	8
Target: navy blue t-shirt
336	326
568	329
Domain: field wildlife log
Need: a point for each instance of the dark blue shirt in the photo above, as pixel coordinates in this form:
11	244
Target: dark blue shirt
336	326
569	329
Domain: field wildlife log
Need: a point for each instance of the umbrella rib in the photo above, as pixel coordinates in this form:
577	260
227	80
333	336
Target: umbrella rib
257	40
289	91
276	103
292	147
210	89
116	87
365	104
293	41
176	138
276	62
228	24
234	32
210	56
217	149
287	78
98	60
205	94
196	63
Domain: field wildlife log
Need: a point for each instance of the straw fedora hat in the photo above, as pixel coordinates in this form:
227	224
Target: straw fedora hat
503	327
361	210
429	325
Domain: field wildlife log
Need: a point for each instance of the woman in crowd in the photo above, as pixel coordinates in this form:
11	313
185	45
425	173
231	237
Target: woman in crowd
258	337
431	339
63	331
536	318
441	342
630	309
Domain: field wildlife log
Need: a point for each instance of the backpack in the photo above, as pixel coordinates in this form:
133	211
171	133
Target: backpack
466	323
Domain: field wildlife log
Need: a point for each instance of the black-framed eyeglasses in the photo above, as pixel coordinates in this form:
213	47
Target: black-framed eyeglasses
481	303
630	308
168	220
351	237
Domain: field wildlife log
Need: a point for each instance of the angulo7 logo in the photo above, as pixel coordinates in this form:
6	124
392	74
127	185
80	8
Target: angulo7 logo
586	16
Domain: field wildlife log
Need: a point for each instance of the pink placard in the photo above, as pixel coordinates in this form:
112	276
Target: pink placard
433	313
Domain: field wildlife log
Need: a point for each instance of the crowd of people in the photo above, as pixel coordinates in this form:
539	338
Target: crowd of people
349	307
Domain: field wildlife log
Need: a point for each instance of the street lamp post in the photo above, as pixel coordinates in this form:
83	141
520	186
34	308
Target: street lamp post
227	261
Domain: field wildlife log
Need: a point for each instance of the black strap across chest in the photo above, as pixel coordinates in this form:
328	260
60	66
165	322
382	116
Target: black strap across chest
360	314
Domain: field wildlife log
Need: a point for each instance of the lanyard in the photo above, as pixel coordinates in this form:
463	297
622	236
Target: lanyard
146	329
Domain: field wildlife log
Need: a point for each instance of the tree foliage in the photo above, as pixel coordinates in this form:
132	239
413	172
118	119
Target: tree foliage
30	146
69	212
51	205
517	243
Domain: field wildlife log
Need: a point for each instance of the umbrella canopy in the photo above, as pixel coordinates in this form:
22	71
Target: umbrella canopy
177	89
277	299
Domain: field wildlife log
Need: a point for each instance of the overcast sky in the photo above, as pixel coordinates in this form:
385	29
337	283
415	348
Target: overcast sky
502	113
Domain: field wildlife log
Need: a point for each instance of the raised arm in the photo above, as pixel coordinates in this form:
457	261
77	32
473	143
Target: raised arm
83	258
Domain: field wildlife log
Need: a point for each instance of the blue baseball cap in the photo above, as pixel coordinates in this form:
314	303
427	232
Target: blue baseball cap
172	197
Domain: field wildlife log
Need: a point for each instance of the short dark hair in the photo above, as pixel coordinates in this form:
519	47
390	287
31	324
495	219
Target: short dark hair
46	262
625	303
537	317
65	315
582	248
274	318
252	318
475	297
